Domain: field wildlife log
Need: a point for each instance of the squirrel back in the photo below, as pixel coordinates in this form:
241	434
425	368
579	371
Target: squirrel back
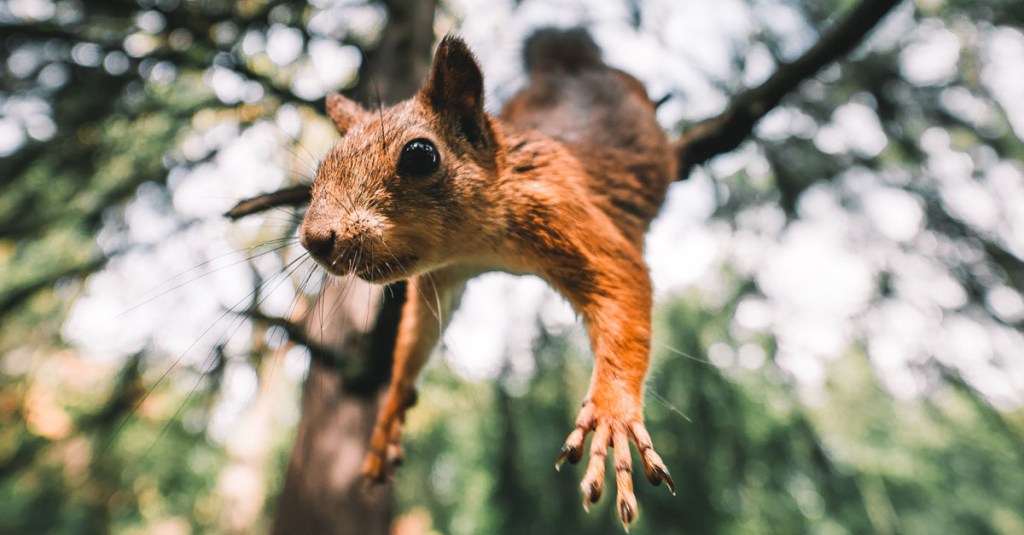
603	116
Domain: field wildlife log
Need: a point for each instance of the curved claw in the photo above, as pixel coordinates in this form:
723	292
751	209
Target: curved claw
592	484
664	476
572	450
654	467
623	479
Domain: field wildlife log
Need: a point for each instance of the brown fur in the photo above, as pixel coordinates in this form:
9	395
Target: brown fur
563	185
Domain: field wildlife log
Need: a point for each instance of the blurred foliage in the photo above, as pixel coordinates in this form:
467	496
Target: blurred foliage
102	96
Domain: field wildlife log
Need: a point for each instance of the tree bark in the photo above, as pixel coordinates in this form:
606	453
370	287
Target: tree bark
323	490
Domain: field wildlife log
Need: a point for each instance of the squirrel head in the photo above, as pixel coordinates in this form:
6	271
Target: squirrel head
400	189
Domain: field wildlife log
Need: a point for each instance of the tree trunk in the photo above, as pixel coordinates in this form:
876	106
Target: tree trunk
323	490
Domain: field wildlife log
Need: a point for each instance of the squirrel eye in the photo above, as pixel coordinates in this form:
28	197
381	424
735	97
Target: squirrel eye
419	158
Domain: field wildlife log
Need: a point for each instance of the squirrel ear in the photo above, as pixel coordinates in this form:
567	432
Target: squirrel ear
455	89
344	112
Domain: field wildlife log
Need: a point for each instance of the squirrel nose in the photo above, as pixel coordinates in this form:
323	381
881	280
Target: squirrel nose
320	243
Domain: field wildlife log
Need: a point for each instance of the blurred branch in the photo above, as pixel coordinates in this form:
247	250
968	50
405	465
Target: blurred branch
356	376
297	333
725	132
293	196
940	220
984	407
29	447
1011	265
19	294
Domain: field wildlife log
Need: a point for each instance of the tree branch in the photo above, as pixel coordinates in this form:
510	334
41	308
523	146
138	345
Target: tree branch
14	297
293	196
725	132
297	333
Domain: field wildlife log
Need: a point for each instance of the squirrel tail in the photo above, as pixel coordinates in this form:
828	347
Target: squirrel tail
551	49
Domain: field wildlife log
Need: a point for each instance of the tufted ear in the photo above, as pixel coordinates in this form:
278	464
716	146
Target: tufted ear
345	112
455	90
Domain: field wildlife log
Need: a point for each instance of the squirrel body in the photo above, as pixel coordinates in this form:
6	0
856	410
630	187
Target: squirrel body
563	185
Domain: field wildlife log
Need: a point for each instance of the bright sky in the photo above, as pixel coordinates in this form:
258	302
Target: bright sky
817	275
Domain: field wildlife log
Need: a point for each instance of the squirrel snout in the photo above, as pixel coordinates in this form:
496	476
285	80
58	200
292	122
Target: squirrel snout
344	245
319	242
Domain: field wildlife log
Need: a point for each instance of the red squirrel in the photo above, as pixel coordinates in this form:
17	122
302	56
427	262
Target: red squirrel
563	184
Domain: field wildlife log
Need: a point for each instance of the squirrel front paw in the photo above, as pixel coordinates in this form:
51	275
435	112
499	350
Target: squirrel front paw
385	452
382	459
617	431
384	456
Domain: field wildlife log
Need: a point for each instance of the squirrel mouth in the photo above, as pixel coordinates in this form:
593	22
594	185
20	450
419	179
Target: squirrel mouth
389	270
380	270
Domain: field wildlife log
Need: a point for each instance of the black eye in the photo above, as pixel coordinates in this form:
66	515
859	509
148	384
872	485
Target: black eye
419	158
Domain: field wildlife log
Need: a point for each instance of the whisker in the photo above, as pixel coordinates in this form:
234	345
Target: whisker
380	111
684	354
299	297
236	324
295	142
668	405
166	373
284	243
436	312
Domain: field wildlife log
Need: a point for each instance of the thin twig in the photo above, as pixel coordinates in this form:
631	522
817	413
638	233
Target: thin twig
293	196
298	334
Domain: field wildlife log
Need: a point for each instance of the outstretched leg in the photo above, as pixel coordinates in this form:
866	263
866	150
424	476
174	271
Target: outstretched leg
618	318
430	300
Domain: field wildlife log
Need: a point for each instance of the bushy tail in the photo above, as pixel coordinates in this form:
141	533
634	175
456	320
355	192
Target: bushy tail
550	49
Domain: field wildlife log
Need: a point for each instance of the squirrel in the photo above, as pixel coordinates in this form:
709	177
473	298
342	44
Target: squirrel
563	184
